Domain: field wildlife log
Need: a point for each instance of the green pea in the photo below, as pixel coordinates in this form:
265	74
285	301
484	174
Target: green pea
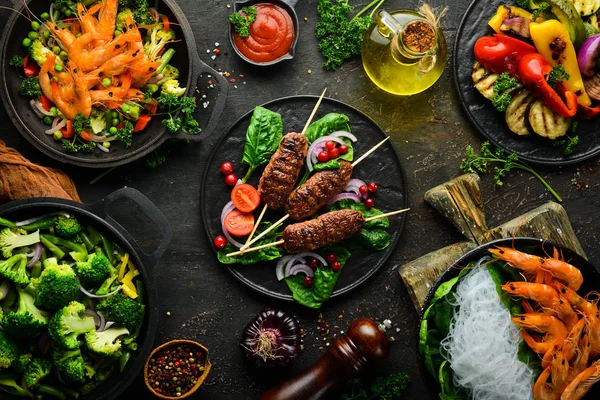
114	114
58	135
117	32
113	130
115	121
106	82
63	55
126	109
63	9
44	16
48	120
26	42
33	35
35	25
106	145
54	111
56	49
58	68
46	35
79	34
68	12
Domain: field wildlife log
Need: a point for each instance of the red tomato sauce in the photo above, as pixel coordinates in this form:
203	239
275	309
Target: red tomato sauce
271	34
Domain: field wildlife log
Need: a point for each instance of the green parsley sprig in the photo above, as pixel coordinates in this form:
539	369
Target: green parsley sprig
478	163
503	86
242	20
171	104
557	74
539	12
569	142
16	61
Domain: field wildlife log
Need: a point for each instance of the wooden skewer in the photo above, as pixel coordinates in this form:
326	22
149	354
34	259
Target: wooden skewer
277	243
244	248
260	217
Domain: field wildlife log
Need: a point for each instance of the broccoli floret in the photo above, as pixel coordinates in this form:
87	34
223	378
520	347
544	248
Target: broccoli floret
9	351
28	320
38	369
30	87
503	86
95	270
170	72
9	385
122	18
97	122
20	366
106	343
159	38
78	253
69	363
57	285
15	269
142	15
67	324
172	86
122	310
39	53
11	239
67	226
132	110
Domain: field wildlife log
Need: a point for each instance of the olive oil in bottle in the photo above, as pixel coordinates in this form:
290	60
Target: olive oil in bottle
404	52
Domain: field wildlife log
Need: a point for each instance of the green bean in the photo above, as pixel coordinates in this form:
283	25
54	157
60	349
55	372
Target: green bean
39	225
94	236
51	391
87	241
165	59
58	253
123	361
7	223
139	287
44	255
36	271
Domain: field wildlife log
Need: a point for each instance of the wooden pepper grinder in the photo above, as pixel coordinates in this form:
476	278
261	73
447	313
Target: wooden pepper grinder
347	358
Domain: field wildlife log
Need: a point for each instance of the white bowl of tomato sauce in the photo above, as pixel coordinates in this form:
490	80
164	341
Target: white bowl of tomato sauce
272	36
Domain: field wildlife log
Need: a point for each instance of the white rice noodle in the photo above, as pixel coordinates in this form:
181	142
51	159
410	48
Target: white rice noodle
483	342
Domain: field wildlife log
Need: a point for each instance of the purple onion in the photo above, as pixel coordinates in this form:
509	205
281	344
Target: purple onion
271	339
586	57
37	253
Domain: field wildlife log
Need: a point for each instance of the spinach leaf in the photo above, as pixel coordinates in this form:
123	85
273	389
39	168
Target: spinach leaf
262	138
376	239
330	123
324	280
267	254
331	164
374	235
449	391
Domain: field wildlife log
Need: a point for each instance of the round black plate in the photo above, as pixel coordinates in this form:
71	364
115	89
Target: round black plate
490	122
591	282
383	167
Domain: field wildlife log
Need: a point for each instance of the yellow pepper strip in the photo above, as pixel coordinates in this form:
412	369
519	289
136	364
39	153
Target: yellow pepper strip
124	262
128	287
549	35
503	13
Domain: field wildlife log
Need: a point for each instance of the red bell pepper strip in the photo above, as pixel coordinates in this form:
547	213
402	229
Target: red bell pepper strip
533	70
67	132
501	53
142	122
30	69
46	105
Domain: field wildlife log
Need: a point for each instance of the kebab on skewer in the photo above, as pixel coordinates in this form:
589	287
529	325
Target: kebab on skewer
329	228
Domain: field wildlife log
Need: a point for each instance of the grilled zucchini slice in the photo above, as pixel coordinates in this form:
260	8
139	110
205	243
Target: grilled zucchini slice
546	122
484	80
516	112
586	7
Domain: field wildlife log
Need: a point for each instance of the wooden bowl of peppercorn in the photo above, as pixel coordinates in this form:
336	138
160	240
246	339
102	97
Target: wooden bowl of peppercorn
176	369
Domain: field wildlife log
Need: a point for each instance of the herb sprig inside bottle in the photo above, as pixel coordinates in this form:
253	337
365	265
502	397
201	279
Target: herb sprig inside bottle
242	20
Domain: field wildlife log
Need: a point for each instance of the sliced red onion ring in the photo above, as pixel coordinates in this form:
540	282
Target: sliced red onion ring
229	207
345	134
35	109
155	78
102	148
94	296
341	196
94	314
354	187
299	259
318	143
301	268
4	289
52	12
37	105
108	325
279	267
35	219
35	257
102	326
56	126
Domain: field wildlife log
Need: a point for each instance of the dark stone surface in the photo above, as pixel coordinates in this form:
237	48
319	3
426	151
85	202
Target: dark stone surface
430	132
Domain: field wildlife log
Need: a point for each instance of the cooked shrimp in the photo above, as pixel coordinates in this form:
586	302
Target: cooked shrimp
552	327
582	383
580	363
579	303
89	24
571	345
547	297
81	90
64	36
107	17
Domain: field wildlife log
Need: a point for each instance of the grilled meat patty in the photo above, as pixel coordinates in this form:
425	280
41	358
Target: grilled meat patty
307	199
280	175
328	228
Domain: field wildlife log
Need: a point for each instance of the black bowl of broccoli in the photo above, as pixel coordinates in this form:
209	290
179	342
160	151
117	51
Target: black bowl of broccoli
78	306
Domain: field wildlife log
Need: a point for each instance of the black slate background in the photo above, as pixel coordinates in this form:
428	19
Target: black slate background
430	132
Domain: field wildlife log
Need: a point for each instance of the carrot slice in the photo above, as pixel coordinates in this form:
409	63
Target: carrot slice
165	22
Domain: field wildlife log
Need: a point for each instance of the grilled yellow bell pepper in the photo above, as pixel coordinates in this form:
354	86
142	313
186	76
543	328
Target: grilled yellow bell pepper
551	39
128	287
502	14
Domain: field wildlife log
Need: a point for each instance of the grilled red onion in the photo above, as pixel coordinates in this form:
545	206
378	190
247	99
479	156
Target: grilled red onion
94	296
352	196
592	86
271	339
517	25
586	56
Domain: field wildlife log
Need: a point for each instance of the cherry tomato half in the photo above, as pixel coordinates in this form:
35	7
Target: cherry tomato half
231	180
372	187
330	144
226	168
239	223
245	198
308	281
336	266
363	189
343	149
369	203
220	242
323	156
334	153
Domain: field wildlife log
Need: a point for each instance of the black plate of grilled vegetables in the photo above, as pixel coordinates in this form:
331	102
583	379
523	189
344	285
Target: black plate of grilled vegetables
524	110
283	271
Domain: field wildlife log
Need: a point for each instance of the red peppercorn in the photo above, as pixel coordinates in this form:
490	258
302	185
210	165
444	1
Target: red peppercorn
334	153
323	156
372	187
343	149
336	266
231	180
308	281
331	258
363	189
369	203
217	51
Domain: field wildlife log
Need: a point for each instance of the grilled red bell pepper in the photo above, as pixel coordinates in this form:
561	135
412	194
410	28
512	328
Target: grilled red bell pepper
30	68
501	53
533	70
585	112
